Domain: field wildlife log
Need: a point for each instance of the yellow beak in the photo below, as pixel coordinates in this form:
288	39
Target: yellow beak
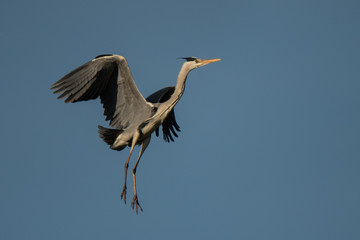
207	61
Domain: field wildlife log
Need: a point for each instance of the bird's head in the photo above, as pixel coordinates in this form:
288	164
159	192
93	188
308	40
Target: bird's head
194	62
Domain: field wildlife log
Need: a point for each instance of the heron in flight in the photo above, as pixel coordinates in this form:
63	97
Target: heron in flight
132	117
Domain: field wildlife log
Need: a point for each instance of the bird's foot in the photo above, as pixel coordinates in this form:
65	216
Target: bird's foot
136	203
123	194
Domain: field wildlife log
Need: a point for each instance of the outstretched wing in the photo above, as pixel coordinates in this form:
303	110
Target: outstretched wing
107	77
170	123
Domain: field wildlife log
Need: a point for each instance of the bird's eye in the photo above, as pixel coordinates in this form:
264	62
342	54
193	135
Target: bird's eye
197	60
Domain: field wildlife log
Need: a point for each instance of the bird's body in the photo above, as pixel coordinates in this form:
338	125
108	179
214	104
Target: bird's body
133	117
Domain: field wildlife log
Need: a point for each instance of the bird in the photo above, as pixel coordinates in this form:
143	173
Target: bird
132	118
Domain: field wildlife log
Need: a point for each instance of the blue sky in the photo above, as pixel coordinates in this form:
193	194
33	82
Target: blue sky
269	142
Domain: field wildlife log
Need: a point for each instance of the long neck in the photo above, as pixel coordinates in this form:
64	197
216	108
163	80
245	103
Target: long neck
180	85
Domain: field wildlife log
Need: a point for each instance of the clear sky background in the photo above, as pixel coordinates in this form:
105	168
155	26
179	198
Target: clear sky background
270	137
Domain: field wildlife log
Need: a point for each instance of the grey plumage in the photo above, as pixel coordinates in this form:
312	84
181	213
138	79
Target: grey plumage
169	123
132	117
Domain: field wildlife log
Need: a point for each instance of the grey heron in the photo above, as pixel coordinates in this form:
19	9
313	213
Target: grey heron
132	117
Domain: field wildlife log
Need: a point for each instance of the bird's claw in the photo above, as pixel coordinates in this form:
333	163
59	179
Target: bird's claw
123	194
136	202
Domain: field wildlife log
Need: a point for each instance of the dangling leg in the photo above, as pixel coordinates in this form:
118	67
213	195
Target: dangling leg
135	138
144	145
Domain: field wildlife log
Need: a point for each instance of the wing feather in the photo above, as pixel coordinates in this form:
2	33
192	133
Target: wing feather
170	122
109	78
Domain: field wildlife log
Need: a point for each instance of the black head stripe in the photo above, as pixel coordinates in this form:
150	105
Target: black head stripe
189	58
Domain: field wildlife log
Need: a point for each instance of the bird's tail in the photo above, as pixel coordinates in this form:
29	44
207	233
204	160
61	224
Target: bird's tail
109	135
